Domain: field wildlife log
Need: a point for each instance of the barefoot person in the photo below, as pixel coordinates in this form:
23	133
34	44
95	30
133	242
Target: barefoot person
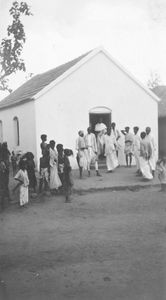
152	159
91	145
136	148
55	182
23	182
128	145
110	151
145	154
67	172
81	152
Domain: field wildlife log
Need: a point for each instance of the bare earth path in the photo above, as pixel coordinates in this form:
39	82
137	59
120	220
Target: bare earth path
105	245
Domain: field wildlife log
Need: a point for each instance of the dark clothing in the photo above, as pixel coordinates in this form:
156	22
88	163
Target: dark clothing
4	181
61	167
31	174
44	148
67	178
44	162
14	163
30	166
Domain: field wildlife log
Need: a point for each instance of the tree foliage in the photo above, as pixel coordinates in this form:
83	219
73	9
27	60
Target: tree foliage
154	80
11	47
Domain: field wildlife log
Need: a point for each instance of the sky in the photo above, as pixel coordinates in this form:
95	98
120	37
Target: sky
132	31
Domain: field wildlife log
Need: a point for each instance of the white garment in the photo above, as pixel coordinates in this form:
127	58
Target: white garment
90	141
55	181
145	168
152	160
100	127
23	177
136	149
110	152
82	152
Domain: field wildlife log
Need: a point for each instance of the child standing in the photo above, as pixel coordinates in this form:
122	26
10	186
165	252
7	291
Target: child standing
23	182
68	179
161	169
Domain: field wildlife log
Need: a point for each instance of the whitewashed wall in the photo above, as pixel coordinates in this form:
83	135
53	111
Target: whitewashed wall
64	110
26	116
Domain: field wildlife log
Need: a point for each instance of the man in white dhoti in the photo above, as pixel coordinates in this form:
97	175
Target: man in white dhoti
110	151
145	154
136	148
128	150
91	146
117	135
81	154
100	129
152	159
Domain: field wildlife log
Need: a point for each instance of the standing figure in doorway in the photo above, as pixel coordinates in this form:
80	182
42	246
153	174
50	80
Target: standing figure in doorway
91	145
81	154
128	145
100	129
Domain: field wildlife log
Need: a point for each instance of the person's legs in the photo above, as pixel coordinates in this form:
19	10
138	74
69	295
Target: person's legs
40	185
80	169
127	160
130	155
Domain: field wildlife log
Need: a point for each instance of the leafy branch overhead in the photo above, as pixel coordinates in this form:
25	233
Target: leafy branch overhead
11	47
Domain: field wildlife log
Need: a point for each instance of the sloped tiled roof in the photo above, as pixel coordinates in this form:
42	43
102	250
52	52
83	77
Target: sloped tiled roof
160	91
33	86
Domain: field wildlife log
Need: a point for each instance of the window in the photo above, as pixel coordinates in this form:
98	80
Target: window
1	132
16	131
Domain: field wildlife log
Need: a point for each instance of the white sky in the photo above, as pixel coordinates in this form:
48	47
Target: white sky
133	31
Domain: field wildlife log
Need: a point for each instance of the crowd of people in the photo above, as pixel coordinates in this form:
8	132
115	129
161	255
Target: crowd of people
55	172
105	142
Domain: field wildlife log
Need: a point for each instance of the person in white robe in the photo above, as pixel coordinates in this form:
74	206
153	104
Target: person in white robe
136	148
22	177
91	146
110	151
152	159
55	181
117	135
100	129
82	159
145	154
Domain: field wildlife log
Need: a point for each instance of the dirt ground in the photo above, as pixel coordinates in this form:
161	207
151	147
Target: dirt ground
102	246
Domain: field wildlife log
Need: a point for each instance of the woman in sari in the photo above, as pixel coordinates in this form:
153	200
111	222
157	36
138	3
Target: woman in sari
55	182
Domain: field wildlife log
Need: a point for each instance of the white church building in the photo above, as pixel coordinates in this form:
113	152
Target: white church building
70	97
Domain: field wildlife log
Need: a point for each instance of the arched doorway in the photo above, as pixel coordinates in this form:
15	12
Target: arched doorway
99	112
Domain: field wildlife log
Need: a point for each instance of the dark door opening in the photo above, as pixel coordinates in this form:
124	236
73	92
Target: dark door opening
94	119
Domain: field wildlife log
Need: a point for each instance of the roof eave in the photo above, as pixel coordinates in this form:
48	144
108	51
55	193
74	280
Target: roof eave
6	106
